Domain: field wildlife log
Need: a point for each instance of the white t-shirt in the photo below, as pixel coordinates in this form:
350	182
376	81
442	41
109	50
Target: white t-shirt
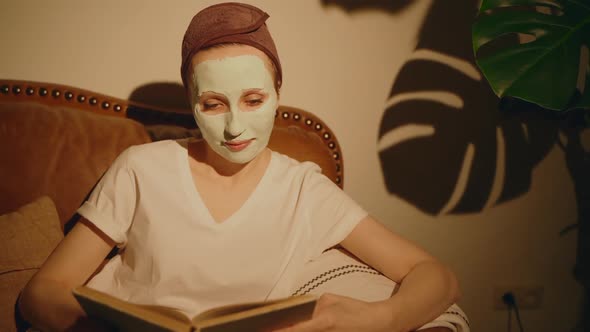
175	254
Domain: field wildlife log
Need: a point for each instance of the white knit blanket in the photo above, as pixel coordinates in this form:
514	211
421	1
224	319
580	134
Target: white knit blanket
338	273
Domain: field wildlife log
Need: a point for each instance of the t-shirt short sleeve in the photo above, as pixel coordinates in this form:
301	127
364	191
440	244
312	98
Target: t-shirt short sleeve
111	204
332	214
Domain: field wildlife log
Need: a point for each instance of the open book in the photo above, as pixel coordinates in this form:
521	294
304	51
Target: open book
258	316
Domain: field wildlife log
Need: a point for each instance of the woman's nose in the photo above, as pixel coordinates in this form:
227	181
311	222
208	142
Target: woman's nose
234	126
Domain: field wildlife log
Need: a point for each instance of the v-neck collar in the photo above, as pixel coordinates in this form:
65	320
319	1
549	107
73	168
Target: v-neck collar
196	201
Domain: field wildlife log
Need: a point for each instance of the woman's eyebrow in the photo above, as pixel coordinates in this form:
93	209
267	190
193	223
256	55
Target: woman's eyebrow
256	90
215	94
212	94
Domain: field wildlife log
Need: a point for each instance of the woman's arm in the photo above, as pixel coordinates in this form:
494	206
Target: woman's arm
47	301
427	287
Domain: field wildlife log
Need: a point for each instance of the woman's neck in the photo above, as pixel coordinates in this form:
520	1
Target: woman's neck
217	165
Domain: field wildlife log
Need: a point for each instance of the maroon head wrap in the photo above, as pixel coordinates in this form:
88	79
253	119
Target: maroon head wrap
229	22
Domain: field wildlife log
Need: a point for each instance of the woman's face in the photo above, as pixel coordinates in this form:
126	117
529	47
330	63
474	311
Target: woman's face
234	100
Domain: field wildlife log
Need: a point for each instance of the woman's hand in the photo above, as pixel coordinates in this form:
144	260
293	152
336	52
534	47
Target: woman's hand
339	313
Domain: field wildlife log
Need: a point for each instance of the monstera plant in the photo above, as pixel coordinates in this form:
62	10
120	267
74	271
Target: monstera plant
535	52
544	69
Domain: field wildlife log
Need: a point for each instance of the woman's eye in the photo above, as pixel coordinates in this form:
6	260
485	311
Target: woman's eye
253	102
208	106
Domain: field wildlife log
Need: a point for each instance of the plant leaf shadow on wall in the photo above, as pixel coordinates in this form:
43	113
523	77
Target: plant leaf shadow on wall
155	96
167	95
443	143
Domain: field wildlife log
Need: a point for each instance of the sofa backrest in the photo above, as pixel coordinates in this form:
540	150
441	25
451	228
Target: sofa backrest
58	140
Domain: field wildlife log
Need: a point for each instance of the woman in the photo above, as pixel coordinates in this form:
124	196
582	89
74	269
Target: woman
225	219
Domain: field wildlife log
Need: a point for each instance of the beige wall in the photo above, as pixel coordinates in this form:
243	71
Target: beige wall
340	67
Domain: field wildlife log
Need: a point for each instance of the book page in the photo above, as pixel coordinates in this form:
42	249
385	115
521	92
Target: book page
257	316
230	309
166	311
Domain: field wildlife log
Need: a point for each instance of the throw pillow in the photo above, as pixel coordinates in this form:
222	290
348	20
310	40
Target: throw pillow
27	237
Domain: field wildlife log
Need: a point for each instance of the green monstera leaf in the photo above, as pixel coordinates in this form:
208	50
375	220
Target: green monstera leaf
544	70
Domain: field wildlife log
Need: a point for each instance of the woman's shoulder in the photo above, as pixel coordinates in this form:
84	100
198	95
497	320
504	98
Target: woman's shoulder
157	146
305	173
287	162
149	151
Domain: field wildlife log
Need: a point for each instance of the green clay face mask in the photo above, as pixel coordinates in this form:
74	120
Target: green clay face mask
235	105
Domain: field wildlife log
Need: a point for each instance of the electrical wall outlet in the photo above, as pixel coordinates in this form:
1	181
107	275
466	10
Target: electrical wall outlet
526	296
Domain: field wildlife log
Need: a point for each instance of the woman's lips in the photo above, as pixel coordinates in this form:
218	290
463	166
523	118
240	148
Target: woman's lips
237	146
